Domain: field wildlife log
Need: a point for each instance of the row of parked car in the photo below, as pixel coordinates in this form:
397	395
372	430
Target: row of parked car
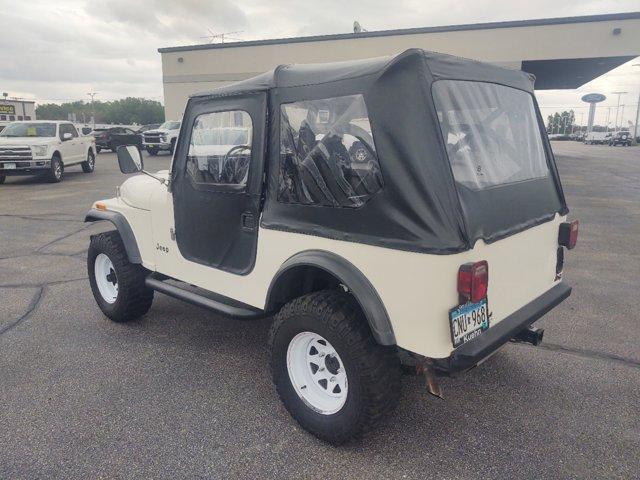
153	138
612	139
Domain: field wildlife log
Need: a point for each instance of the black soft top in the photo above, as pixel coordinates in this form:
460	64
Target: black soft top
420	208
440	66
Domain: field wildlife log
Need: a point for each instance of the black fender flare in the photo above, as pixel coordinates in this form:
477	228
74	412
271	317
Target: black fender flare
351	277
123	227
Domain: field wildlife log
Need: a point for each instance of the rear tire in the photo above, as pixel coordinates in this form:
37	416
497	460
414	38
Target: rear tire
98	149
362	383
117	284
56	171
90	163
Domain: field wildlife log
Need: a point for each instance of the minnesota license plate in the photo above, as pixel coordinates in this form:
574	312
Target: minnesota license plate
9	166
468	321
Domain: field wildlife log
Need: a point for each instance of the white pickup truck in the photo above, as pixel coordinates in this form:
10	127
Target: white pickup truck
162	138
44	148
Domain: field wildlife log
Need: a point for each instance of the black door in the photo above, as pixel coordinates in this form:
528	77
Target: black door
217	181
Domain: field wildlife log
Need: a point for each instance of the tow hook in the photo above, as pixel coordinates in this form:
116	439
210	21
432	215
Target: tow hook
530	335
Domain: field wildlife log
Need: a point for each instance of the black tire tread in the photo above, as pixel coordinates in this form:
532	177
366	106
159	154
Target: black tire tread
378	366
134	297
86	168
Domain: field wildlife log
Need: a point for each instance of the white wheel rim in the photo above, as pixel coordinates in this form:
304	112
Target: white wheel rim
106	278
317	373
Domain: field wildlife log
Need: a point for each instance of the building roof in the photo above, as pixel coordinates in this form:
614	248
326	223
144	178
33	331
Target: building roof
410	31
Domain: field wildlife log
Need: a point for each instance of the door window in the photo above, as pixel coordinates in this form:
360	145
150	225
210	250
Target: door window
220	149
68	128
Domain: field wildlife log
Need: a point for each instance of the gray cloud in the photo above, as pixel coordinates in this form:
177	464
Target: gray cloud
60	50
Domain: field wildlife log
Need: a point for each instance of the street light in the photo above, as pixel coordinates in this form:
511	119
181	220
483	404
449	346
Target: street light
635	130
93	110
618	107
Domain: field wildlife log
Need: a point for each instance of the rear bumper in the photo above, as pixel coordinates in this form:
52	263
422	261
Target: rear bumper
473	352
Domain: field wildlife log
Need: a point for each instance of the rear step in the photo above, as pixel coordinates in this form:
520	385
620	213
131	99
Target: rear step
211	301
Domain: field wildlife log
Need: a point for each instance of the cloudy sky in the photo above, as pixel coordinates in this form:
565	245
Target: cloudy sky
59	50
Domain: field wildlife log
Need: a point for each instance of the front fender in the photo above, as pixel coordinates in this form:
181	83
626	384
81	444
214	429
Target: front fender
123	227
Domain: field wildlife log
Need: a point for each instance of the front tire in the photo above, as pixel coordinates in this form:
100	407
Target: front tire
117	284
331	375
90	163
56	171
2	179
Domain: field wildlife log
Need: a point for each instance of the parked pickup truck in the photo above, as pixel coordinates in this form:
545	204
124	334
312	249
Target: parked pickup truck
163	138
44	148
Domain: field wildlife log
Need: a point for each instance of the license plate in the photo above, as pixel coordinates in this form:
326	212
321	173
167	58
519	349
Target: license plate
9	166
468	321
150	145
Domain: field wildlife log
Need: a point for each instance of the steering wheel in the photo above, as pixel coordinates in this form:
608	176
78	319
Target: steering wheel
237	148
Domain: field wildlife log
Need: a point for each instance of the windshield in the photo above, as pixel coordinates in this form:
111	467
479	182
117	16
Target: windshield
170	126
491	133
25	129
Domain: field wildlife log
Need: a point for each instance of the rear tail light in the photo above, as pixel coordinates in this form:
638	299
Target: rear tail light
568	235
473	281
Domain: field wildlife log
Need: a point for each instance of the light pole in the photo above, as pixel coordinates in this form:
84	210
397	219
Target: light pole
618	107
93	110
635	129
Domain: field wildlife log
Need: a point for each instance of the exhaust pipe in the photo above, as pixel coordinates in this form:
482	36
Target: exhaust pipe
530	335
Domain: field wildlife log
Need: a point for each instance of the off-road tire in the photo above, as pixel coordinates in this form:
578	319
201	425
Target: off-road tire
134	298
2	179
54	175
89	165
373	371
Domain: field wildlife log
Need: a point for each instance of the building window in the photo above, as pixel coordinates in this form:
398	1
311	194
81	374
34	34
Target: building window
19	117
220	148
12	118
27	117
3	117
327	153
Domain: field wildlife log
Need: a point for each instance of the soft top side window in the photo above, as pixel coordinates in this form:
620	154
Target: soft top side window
220	148
327	153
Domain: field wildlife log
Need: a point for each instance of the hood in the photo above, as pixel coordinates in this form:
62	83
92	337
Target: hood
27	140
137	190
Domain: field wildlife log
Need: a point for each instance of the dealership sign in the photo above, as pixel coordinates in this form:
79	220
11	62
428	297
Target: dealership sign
8	109
593	98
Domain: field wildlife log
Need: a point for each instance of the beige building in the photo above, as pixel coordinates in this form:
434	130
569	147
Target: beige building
561	52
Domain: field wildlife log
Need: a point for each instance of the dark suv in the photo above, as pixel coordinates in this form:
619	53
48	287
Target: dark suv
112	138
620	138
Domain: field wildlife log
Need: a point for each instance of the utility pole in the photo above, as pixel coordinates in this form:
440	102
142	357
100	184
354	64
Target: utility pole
93	110
618	107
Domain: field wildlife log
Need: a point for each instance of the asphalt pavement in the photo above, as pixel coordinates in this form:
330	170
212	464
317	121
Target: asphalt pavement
183	393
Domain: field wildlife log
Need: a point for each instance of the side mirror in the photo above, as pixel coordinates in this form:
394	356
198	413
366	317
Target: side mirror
129	159
66	136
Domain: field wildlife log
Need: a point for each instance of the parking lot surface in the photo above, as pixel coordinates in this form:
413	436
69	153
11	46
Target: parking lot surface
184	393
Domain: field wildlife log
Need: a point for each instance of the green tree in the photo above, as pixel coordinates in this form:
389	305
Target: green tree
561	122
127	111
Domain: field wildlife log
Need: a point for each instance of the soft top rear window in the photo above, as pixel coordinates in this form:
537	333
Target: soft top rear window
491	133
